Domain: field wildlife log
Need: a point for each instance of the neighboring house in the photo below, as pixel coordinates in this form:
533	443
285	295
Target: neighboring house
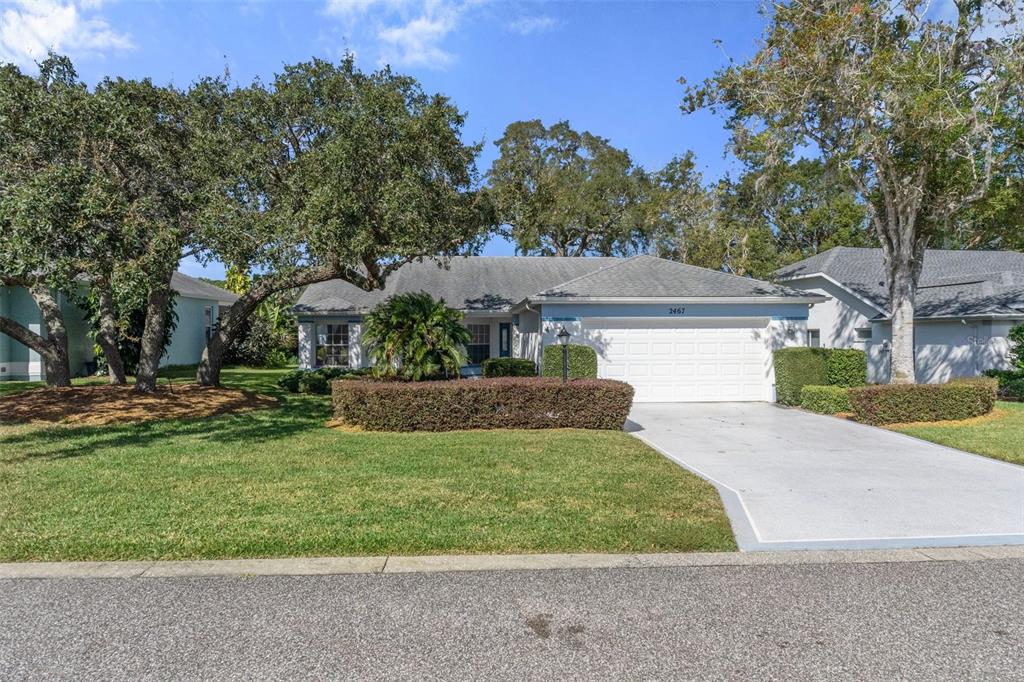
197	304
967	301
675	332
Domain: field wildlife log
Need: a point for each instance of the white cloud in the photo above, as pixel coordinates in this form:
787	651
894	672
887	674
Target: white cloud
525	26
405	32
28	28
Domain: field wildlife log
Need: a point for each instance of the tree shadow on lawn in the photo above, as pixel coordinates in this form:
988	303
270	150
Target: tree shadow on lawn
292	416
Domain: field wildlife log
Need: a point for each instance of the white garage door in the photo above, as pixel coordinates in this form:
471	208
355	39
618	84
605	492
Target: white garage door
677	360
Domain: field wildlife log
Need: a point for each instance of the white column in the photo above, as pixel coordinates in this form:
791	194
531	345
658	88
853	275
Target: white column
355	344
307	336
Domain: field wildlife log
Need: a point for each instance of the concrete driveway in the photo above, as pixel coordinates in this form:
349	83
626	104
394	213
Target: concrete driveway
793	480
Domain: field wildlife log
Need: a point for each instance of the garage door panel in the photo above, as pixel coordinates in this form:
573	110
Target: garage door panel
690	360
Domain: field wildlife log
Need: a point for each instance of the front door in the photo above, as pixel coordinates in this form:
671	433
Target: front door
505	339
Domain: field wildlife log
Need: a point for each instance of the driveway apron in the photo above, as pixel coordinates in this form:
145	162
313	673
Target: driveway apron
794	480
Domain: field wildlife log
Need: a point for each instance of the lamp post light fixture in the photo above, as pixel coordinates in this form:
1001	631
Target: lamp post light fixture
563	341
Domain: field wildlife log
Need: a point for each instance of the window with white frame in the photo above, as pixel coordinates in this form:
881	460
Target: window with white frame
479	347
332	345
863	333
814	338
208	322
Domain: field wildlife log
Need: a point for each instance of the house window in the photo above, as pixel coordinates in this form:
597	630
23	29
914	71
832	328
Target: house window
208	322
479	346
814	338
863	333
332	345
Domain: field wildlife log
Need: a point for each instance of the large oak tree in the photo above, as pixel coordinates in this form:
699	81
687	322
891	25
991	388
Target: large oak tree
909	106
559	192
333	173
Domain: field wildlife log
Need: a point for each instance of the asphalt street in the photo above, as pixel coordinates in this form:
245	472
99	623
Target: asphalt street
925	620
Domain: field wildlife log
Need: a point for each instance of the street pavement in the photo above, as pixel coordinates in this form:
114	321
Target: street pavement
914	620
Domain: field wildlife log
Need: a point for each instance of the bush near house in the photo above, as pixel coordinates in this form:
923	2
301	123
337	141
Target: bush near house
582	361
904	403
799	367
1011	383
509	367
825	399
845	367
318	381
505	403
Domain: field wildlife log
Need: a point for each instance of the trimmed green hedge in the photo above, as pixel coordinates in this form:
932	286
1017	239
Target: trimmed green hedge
1011	383
825	399
896	403
506	403
582	361
318	381
799	366
509	367
796	368
846	367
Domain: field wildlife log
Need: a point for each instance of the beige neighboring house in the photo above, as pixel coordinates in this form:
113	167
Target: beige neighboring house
967	302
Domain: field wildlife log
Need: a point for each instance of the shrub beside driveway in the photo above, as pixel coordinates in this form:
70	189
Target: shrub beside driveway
277	482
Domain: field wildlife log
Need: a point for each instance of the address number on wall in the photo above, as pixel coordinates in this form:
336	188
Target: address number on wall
677	311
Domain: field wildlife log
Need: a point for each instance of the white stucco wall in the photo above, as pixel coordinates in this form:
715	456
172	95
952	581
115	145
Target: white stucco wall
839	318
945	349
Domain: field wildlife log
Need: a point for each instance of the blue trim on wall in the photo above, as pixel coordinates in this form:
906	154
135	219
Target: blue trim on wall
560	319
354	320
779	318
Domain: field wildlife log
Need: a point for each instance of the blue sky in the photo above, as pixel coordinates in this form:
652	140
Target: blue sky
607	67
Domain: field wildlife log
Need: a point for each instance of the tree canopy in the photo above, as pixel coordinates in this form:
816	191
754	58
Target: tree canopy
334	173
908	107
559	192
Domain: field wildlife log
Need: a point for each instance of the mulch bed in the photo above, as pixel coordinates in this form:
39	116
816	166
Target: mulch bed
99	405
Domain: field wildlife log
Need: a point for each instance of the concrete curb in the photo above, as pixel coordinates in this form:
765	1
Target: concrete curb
487	562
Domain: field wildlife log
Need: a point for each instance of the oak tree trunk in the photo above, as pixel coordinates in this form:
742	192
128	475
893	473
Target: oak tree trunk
153	335
40	345
107	338
55	362
232	323
901	295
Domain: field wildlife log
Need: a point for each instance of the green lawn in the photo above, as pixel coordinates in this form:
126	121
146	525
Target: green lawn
1000	436
278	483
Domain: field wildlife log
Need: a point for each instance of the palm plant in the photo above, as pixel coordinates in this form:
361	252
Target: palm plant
416	337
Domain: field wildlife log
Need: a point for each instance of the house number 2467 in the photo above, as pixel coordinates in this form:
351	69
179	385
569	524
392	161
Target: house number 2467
677	311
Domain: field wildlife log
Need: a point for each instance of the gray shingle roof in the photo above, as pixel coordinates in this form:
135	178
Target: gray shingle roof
652	277
489	283
196	288
953	283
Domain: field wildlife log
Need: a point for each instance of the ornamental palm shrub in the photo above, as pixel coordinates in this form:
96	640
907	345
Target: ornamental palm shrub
415	337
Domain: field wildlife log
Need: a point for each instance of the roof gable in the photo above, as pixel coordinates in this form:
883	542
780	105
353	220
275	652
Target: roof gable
953	283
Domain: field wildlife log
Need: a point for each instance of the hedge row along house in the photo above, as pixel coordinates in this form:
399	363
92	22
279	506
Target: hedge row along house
197	304
967	302
675	332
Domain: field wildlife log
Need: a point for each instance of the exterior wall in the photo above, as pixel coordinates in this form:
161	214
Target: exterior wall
189	338
837	319
17	361
944	349
785	324
357	353
527	341
307	340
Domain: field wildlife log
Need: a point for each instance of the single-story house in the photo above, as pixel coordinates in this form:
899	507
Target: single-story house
967	301
675	332
198	305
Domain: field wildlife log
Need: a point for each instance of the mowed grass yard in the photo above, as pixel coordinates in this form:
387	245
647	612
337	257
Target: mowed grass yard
277	482
999	435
